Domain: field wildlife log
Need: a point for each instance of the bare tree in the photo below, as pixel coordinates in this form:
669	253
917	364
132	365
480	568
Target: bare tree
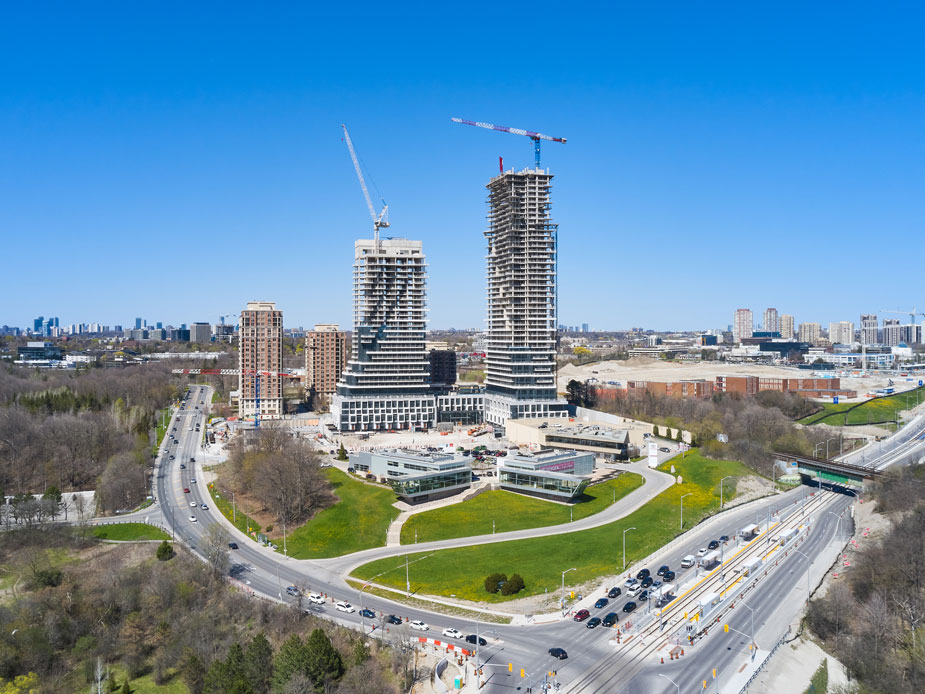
215	547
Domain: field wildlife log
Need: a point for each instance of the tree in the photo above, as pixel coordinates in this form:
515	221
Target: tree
126	688
492	581
342	452
514	585
291	658
191	671
360	652
324	662
52	497
165	551
215	549
258	664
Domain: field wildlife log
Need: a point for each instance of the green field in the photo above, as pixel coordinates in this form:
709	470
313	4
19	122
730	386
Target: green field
359	520
595	552
883	409
510	511
129	531
238	518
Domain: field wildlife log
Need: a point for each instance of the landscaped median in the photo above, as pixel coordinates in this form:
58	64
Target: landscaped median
127	532
502	511
461	572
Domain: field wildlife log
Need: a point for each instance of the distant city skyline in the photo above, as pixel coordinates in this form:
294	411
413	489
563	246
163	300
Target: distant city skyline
711	153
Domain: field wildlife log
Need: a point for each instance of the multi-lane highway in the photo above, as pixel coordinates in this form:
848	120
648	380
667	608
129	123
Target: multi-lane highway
594	663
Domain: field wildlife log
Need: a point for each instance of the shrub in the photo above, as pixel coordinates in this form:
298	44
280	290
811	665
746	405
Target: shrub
47	578
165	551
513	585
492	581
269	528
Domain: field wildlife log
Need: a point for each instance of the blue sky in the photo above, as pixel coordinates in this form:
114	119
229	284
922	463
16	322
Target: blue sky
174	161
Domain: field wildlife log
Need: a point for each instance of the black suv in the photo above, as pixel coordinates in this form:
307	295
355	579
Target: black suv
661	570
610	619
646	582
558	653
643	573
668	576
472	637
392	619
629	607
601	602
713	544
614	592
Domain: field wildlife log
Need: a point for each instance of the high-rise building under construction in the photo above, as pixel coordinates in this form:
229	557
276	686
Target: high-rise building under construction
520	361
386	384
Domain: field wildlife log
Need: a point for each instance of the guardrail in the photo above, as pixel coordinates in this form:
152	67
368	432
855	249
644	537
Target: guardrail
765	660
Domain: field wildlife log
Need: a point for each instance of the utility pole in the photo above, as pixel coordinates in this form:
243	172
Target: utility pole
721	491
682	508
624	546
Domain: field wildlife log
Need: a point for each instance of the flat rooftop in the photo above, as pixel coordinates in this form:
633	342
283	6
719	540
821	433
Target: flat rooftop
594	431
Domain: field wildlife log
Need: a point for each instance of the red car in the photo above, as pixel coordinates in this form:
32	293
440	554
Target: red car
581	615
186	490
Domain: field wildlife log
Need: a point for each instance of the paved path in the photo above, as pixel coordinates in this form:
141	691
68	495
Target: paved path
393	537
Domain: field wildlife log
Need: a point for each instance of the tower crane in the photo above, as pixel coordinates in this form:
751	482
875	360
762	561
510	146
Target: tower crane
912	314
381	219
536	137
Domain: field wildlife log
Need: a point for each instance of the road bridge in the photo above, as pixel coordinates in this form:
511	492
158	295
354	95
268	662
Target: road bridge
830	470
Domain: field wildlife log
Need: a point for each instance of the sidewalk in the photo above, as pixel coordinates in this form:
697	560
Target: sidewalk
393	537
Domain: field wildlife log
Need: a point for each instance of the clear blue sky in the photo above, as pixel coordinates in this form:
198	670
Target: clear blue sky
174	161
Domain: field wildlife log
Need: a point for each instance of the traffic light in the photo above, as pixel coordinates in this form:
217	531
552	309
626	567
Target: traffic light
704	684
726	628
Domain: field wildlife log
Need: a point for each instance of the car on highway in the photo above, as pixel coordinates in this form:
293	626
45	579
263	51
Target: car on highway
316	598
643	573
452	633
392	619
669	576
633	591
629	607
193	504
687	562
581	615
173	457
593	622
656	584
344	606
643	596
292	590
232	545
192	519
192	460
614	592
646	582
182	466
368	613
203	507
471	638
193	480
601	602
661	570
630	582
724	538
418	625
610	619
665	449
713	544
186	490
558	653
701	551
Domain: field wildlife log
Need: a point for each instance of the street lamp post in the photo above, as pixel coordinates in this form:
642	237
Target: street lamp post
754	643
809	563
682	508
677	686
816	448
837	522
721	491
563	583
624	546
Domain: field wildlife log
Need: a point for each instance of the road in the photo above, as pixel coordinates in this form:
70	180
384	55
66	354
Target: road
268	573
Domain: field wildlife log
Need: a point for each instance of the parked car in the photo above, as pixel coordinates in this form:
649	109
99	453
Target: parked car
232	545
418	625
558	653
452	633
629	607
350	469
661	570
392	619
614	592
344	606
581	615
610	619
471	638
601	602
368	613
593	622
316	598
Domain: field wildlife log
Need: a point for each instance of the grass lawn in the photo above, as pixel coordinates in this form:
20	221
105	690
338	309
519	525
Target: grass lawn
511	511
876	410
129	531
595	552
146	685
216	397
238	518
359	520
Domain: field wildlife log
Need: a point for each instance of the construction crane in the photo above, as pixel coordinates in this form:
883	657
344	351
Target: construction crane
227	315
381	219
536	137
912	314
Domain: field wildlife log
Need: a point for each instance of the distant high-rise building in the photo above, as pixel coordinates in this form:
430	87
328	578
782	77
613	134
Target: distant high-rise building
841	332
520	362
386	382
771	322
138	324
325	358
869	330
260	360
37	325
159	325
810	332
786	326
894	333
200	333
743	324
584	327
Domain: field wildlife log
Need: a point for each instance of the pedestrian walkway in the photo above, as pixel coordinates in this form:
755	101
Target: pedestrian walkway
393	538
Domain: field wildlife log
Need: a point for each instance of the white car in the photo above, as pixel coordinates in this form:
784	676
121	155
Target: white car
192	519
633	590
418	624
344	606
204	507
193	504
315	598
701	551
452	633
